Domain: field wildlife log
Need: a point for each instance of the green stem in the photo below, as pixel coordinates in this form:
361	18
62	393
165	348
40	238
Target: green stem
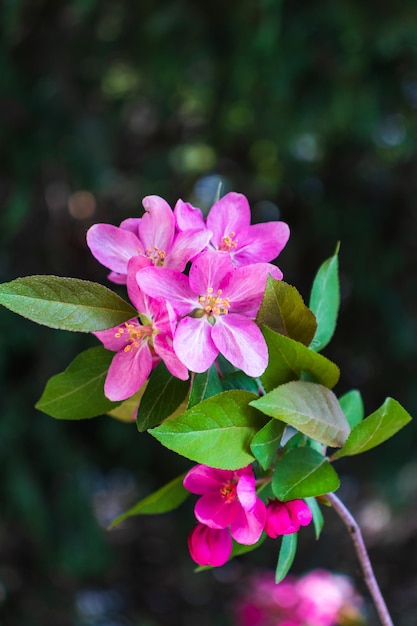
369	576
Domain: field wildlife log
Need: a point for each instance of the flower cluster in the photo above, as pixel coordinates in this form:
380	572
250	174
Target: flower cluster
318	598
230	508
186	320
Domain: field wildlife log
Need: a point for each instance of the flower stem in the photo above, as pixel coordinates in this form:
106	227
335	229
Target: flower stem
369	576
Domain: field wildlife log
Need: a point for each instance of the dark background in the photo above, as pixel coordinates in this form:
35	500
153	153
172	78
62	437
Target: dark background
308	108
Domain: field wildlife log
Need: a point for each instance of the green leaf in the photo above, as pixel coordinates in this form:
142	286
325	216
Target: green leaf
217	432
78	392
204	386
283	310
288	359
240	380
163	395
310	408
265	443
167	498
318	519
65	303
325	300
375	429
352	406
286	556
303	473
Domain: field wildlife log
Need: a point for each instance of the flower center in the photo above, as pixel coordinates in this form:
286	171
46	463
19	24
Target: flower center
133	333
227	243
229	491
156	255
214	304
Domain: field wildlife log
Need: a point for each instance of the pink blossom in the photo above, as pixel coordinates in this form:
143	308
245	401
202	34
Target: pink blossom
229	221
284	518
215	306
210	546
152	237
228	500
139	343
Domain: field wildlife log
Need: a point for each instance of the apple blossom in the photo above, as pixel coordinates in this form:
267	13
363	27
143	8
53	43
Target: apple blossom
210	546
284	518
215	306
229	222
140	343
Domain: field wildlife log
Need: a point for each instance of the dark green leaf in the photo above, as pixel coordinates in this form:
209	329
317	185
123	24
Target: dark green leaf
65	303
303	473
286	556
289	358
310	408
324	301
167	498
163	395
283	310
265	443
375	429
240	380
204	386
318	519
78	392
352	406
217	432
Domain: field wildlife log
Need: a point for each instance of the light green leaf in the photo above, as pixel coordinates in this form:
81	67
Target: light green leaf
286	556
283	310
167	498
352	406
127	410
204	386
288	359
303	473
325	300
65	303
318	519
375	429
163	395
265	443
217	432
78	392
310	408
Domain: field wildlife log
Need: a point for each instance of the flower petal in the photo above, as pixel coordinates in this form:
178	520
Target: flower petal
241	342
193	344
164	349
209	271
230	214
109	337
188	216
203	479
245	287
170	285
246	490
112	246
185	247
213	510
278	520
127	372
248	525
157	226
209	546
299	512
261	243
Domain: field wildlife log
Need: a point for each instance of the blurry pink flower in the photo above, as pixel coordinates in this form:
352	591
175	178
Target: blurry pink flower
284	518
228	500
229	222
152	237
210	546
139	344
216	306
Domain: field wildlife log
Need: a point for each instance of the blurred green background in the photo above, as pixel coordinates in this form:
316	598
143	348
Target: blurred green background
308	108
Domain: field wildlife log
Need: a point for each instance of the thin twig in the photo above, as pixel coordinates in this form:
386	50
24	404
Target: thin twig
369	576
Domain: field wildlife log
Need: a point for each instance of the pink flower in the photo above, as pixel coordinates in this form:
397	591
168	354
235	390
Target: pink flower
229	221
152	237
215	306
139	343
228	500
284	518
209	546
